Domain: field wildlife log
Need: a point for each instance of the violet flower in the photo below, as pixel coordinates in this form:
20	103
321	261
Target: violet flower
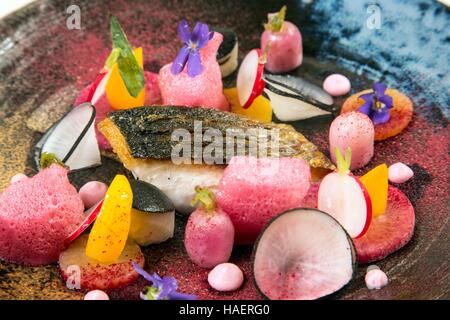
161	288
190	52
377	104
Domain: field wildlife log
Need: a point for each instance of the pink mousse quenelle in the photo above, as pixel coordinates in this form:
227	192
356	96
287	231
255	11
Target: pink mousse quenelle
283	42
354	130
226	277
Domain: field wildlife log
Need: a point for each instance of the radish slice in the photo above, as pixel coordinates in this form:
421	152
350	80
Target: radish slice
100	86
91	214
291	107
298	86
347	200
72	139
303	254
93	91
250	83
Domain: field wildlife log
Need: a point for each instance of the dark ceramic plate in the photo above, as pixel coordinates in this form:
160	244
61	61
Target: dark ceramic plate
43	65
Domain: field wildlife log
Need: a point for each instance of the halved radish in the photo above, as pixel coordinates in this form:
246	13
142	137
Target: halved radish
250	83
291	98
72	139
345	198
303	254
91	214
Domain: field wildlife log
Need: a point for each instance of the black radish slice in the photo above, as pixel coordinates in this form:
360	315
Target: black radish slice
227	55
290	106
250	83
295	85
303	254
72	139
152	214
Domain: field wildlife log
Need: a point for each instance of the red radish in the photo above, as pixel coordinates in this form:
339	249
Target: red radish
90	214
345	198
209	232
80	271
303	254
284	42
250	83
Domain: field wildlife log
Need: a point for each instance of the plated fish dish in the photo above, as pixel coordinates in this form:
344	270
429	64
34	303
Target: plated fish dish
199	178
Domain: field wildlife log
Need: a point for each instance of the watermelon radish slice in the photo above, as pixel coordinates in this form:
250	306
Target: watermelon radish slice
291	98
90	214
72	139
387	233
303	254
250	83
345	198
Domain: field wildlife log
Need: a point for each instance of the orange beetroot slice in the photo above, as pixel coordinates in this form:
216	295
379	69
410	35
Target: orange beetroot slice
401	113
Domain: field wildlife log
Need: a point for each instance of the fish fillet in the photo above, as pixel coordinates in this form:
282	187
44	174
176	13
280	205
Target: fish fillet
141	138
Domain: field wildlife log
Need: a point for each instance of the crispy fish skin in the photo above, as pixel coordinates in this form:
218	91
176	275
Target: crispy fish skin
141	138
147	131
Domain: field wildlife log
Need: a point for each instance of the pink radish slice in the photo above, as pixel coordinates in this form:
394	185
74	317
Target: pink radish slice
347	200
91	214
95	85
250	83
303	254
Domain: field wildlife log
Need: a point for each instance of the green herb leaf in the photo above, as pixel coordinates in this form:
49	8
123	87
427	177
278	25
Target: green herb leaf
48	159
276	20
112	58
132	74
205	198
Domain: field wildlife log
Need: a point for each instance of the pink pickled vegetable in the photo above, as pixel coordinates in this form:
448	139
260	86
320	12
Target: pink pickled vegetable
284	42
336	85
354	130
209	232
92	192
96	295
226	277
399	173
203	90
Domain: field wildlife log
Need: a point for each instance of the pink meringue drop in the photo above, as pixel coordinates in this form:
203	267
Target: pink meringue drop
226	277
96	295
17	177
92	192
336	85
399	173
375	278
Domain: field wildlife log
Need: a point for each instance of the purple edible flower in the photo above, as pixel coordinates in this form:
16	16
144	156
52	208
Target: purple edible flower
377	104
161	288
190	52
